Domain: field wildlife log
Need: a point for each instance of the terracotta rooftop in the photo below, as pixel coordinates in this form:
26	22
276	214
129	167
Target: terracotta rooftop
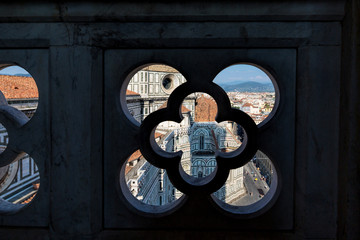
131	93
158	135
248	105
16	87
205	110
135	156
127	169
29	199
183	108
160	68
36	186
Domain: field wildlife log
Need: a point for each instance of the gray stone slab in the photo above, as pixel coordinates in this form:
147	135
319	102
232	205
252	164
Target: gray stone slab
174	11
349	167
317	140
76	140
209	34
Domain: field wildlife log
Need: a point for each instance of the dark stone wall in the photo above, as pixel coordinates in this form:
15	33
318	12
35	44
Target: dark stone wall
349	159
73	51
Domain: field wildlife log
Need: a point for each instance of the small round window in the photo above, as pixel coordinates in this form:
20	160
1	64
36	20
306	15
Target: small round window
147	187
167	83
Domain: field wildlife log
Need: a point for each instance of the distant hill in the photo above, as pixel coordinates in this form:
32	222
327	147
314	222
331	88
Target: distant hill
248	87
19	74
23	75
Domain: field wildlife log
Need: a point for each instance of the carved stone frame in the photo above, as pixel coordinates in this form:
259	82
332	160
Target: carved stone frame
276	138
28	136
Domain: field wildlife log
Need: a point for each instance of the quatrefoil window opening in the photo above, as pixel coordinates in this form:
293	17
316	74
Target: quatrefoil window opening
203	168
19	174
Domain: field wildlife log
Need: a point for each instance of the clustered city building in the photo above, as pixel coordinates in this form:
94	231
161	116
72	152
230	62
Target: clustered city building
257	105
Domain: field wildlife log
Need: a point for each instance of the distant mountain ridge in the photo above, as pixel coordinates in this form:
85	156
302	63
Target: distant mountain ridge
18	74
23	75
249	86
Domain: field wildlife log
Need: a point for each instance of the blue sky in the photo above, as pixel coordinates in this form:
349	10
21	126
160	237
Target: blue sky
13	70
235	73
241	73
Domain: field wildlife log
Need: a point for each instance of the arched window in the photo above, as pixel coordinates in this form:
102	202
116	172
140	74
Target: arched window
201	142
200	174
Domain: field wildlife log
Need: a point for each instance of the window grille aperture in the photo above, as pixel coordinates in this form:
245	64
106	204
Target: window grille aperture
249	188
19	88
148	188
190	144
268	136
148	89
19	174
251	89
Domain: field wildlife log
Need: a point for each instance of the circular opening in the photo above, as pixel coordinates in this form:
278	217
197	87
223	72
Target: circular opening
19	89
149	88
251	89
250	188
198	135
147	187
19	184
167	83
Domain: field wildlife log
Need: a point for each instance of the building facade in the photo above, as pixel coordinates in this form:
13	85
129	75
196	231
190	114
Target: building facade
149	89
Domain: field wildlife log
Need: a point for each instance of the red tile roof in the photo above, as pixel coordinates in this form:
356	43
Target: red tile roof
158	135
29	199
248	105
131	93
135	156
205	110
127	169
183	108
16	87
